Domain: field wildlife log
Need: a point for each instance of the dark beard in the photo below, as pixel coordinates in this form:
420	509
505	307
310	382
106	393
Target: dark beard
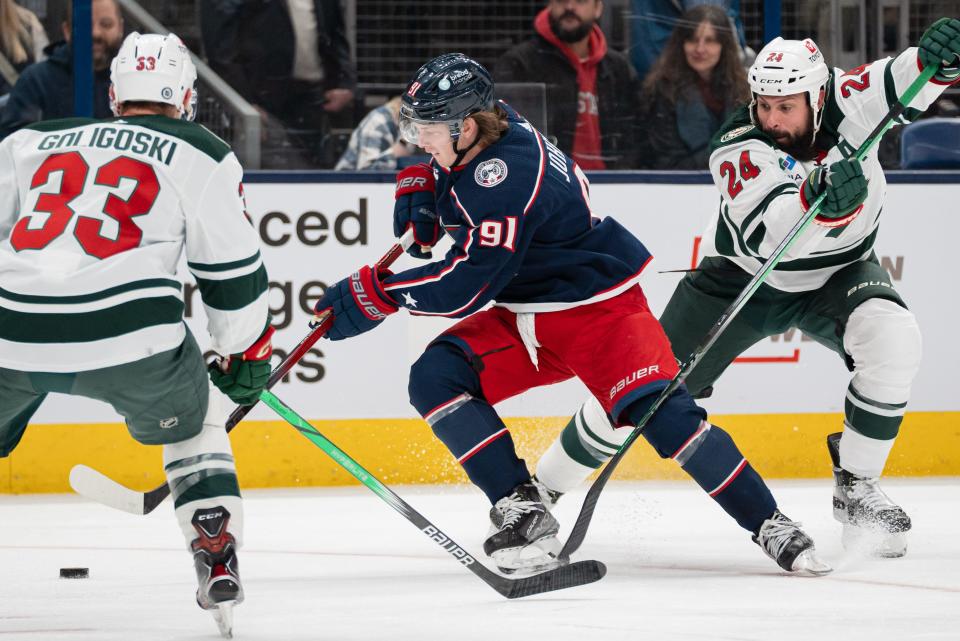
571	35
800	148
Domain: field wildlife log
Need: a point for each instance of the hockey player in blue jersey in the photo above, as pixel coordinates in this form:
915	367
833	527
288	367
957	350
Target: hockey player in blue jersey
566	303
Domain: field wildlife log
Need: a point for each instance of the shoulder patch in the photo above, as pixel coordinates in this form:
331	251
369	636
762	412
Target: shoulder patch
490	173
733	133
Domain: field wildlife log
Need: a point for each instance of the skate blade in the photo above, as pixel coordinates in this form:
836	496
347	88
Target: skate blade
874	541
223	615
809	564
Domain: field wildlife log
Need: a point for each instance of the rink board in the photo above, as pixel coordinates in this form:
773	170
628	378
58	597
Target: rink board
779	401
404	451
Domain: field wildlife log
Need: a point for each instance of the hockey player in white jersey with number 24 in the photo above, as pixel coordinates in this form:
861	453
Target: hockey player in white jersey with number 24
770	160
94	216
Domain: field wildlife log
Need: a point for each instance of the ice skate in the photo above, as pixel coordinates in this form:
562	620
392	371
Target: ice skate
784	542
215	559
523	534
871	521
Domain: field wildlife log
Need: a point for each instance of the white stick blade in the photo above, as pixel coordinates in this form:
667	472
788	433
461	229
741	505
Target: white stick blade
95	486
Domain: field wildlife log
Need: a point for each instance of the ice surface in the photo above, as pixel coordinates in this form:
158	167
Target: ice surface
341	564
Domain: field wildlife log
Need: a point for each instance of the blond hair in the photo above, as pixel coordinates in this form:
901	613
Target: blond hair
491	125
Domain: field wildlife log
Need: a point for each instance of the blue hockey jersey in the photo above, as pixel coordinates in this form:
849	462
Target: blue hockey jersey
523	235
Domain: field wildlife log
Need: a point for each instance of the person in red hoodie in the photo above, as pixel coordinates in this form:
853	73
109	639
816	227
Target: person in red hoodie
593	92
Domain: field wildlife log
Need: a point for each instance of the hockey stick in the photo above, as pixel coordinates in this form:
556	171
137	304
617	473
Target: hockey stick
579	531
97	486
567	576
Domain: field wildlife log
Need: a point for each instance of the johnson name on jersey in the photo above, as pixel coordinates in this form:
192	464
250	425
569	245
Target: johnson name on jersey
94	216
523	235
759	183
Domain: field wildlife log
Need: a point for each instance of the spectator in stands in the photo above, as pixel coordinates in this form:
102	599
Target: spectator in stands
289	58
652	22
22	40
692	88
376	143
45	89
592	92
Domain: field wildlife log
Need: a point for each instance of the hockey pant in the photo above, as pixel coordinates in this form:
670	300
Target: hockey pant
497	354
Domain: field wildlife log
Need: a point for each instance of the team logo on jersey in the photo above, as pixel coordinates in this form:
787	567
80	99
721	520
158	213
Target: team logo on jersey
490	172
733	133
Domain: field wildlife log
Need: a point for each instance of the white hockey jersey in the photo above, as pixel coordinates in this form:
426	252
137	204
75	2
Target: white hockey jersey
759	183
94	216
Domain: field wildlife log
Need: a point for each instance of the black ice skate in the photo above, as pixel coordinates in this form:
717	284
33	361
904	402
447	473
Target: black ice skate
870	519
524	533
215	559
788	545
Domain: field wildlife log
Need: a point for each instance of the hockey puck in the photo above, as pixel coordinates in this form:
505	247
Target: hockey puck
74	573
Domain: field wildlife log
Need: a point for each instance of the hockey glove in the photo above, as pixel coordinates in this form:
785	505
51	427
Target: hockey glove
358	304
243	376
940	45
415	207
846	188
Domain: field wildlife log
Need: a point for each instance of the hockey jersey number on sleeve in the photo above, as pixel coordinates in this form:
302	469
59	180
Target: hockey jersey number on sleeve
495	233
857	79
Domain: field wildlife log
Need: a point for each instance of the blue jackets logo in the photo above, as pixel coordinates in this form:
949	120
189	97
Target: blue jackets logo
490	172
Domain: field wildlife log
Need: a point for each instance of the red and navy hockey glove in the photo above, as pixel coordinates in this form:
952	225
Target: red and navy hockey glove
358	304
415	207
243	376
846	188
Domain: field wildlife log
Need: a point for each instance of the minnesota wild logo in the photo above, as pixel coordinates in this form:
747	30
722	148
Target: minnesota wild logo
733	133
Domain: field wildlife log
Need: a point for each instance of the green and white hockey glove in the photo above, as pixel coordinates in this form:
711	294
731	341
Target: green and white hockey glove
846	189
940	45
243	376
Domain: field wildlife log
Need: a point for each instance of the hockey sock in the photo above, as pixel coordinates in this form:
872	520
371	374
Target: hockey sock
679	431
587	442
445	389
883	341
712	459
481	443
201	474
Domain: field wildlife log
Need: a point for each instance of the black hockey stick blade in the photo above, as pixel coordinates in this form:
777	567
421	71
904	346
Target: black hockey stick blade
568	576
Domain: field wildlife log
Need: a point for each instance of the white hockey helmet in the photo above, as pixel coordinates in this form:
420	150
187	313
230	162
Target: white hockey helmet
154	68
787	67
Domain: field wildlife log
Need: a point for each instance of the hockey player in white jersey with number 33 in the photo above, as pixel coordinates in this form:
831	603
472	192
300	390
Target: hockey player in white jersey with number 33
94	216
770	161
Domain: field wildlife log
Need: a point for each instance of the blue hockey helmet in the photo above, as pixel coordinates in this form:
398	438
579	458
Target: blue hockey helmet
445	91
